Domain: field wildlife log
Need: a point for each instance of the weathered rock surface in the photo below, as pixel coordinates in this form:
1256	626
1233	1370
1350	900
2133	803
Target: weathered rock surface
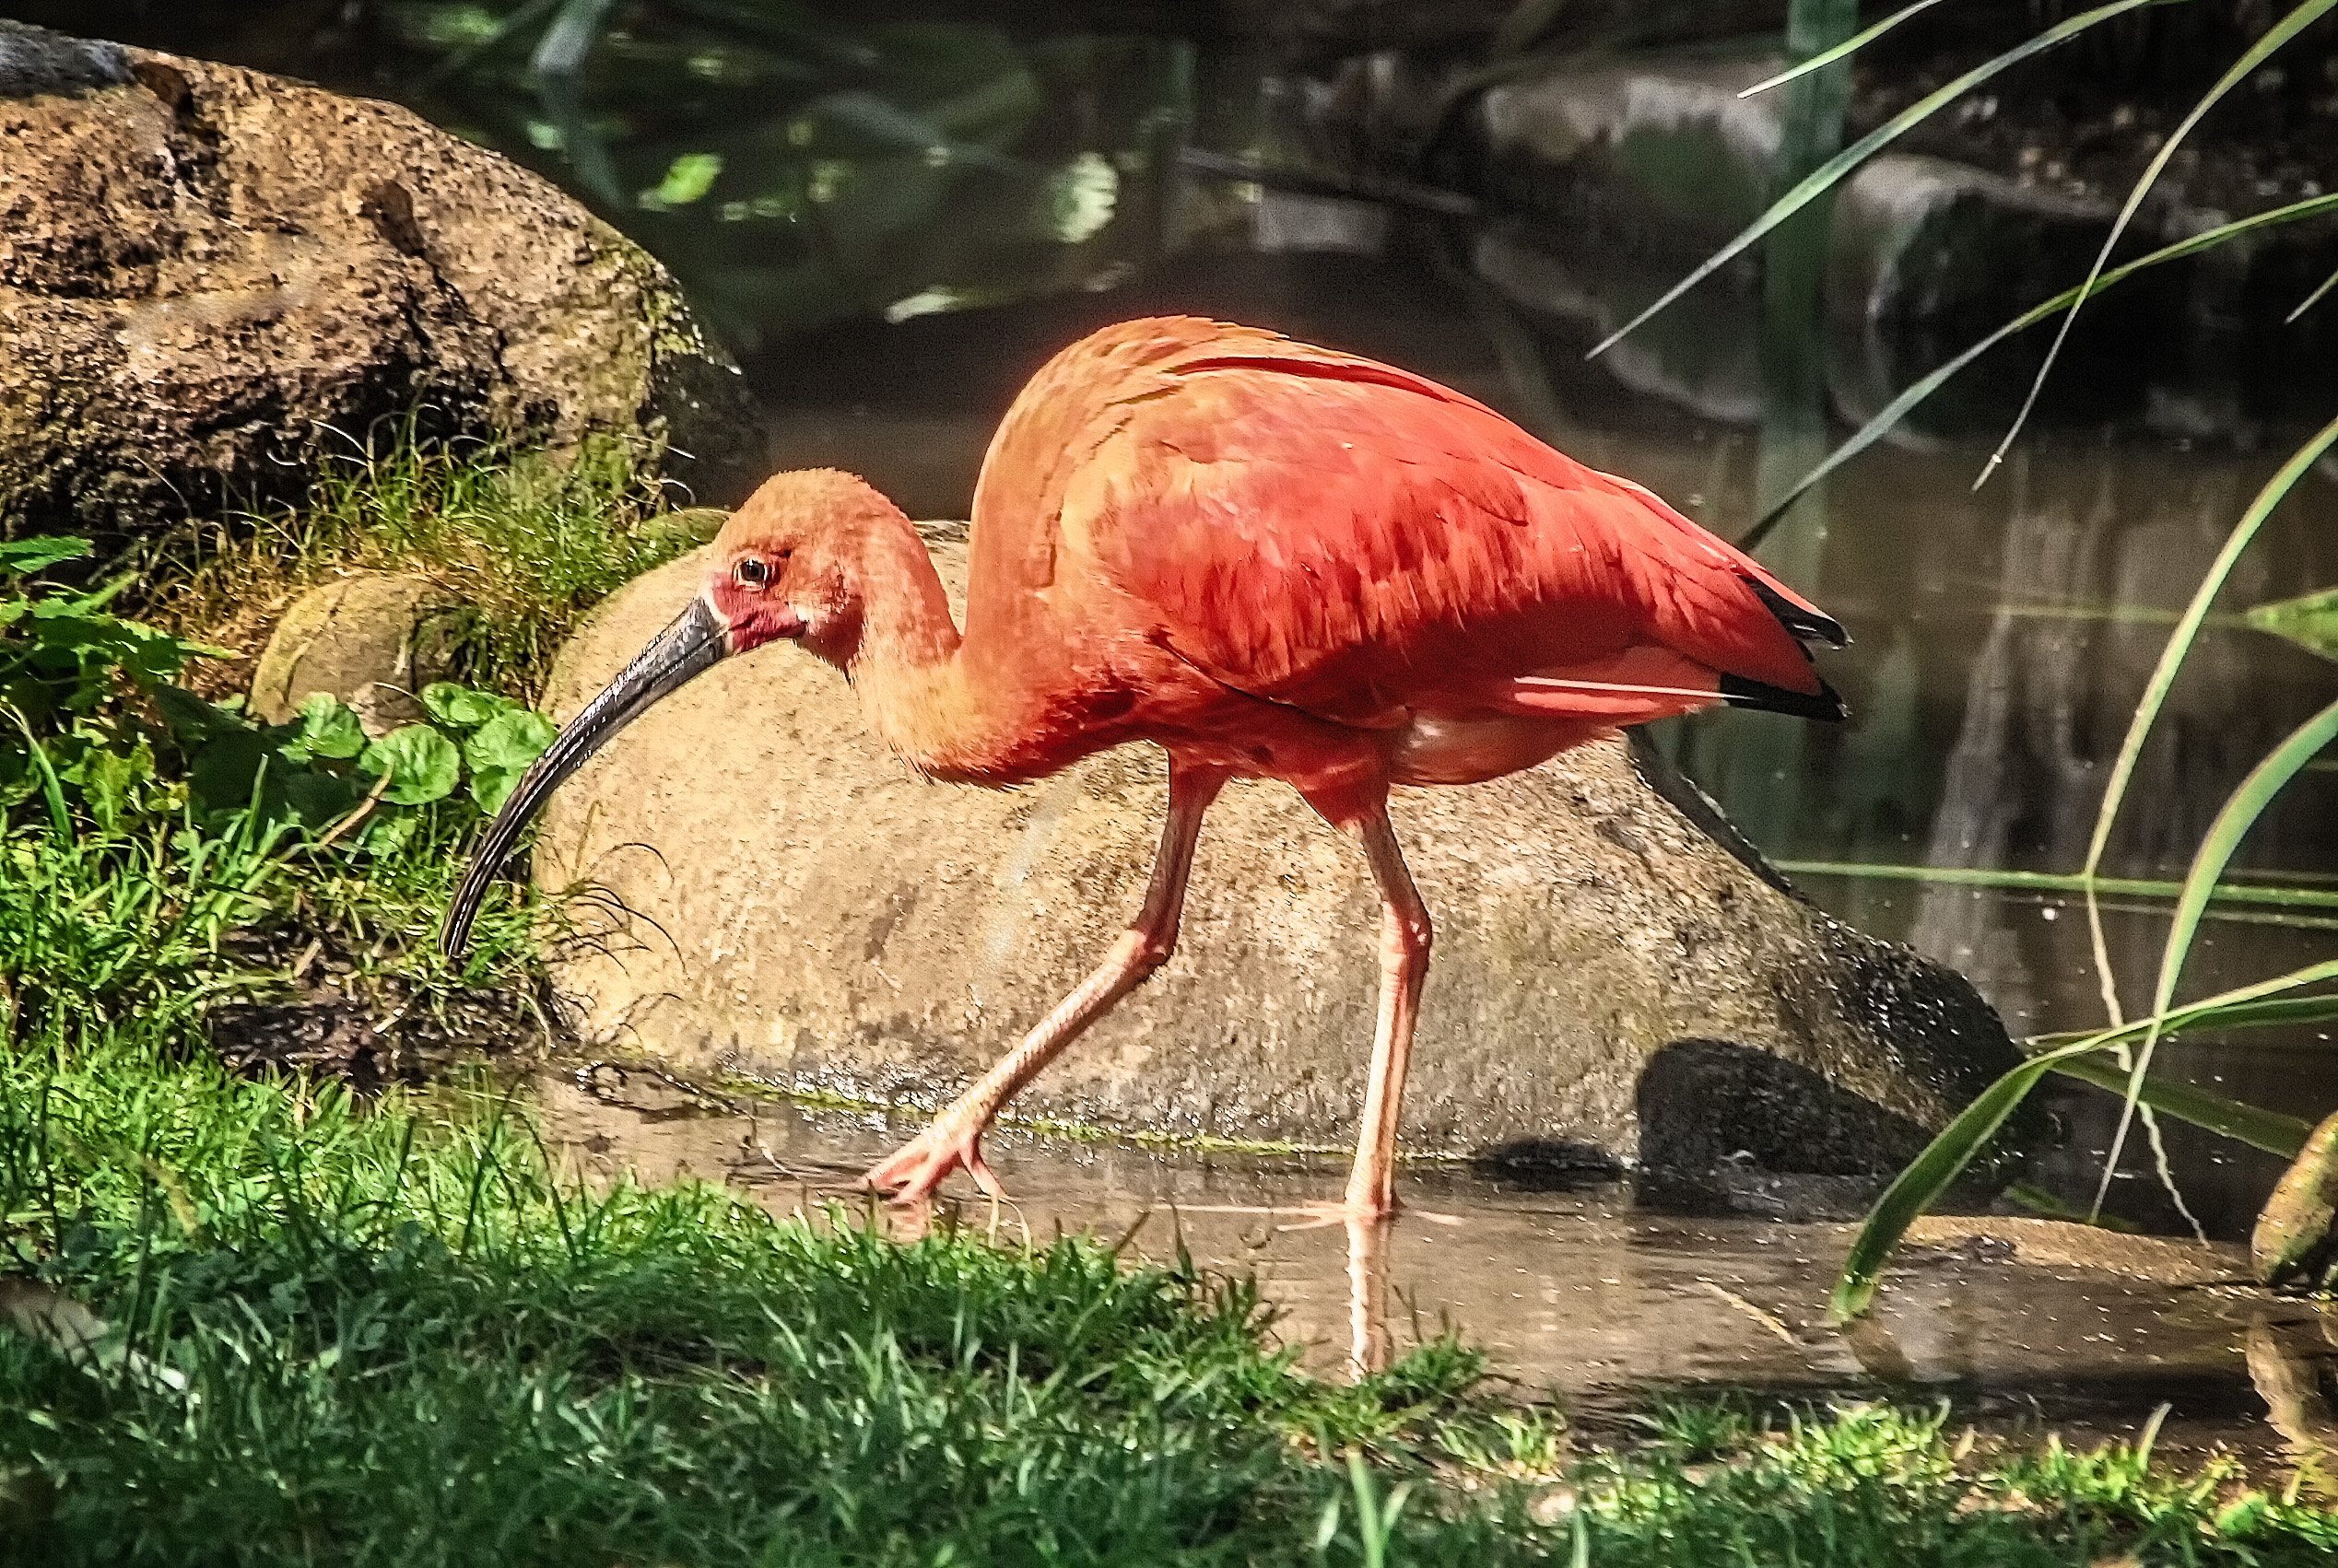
209	277
2292	1241
364	637
1610	984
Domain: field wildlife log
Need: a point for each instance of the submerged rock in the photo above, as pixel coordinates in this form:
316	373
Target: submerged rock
210	279
778	897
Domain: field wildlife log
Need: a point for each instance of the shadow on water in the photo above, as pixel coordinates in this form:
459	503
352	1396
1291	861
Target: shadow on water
897	217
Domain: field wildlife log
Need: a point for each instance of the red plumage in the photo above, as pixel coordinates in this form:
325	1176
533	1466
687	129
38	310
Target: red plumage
1292	557
1272	561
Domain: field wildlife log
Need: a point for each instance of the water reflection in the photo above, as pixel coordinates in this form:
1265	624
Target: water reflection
1579	1294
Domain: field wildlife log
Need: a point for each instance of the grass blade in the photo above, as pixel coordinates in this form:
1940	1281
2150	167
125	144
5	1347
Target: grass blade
2277	1014
2310	301
2256	54
2162	678
2058	882
1867	434
1828	174
2260	1128
1828	56
1916	1188
2237	815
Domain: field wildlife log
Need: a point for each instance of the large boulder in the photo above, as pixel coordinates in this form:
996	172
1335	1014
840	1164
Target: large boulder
209	277
780	899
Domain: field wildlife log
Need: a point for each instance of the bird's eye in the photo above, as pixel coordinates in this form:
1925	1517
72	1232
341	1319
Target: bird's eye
751	571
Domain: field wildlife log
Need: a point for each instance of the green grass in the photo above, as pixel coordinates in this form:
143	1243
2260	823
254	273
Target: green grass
391	1332
259	1321
393	1336
528	542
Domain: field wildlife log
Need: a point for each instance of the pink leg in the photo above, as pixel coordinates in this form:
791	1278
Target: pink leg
954	1141
1404	943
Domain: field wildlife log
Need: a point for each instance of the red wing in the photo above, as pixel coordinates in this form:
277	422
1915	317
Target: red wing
1358	542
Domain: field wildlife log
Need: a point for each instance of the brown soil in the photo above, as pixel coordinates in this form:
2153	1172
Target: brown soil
337	1019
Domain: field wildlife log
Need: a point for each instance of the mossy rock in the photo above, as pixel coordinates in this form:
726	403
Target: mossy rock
214	280
2292	1242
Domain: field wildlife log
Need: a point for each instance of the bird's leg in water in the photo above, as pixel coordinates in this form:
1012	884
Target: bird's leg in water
955	1139
1405	941
1404	938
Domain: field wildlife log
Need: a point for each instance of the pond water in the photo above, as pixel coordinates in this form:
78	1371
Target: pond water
897	220
2022	1325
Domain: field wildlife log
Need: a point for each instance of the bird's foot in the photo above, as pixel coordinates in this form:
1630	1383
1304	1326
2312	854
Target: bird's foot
911	1173
1349	1210
1352	1211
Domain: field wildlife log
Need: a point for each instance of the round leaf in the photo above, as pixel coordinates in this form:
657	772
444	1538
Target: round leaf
422	764
491	786
509	741
329	728
460	707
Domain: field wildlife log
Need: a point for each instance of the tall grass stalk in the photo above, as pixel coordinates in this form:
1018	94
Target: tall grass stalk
2163	678
2237	815
2255	55
1828	175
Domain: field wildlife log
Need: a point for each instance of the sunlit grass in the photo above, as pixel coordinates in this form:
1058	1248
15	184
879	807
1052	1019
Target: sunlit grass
527	542
395	1335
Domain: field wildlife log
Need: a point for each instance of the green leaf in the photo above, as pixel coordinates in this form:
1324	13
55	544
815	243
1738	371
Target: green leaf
1947	1156
2269	1131
462	707
191	721
109	780
2256	54
491	786
314	799
226	767
388	832
687	178
422	764
18	556
509	741
1826	57
1828	174
2237	815
329	728
2310	622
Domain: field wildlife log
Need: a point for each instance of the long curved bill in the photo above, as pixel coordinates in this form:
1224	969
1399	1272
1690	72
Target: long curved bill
694	644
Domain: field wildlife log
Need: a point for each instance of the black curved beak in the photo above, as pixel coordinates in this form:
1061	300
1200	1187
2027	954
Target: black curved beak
694	644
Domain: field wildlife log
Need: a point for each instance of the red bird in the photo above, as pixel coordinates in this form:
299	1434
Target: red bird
1274	561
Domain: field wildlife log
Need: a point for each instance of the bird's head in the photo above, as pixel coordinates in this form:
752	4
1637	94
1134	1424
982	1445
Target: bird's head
786	566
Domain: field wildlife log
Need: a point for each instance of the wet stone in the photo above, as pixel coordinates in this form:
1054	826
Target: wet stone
2292	1242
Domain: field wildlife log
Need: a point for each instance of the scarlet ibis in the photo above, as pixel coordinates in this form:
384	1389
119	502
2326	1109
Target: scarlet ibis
1273	561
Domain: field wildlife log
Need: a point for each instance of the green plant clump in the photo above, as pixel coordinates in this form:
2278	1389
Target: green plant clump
259	1325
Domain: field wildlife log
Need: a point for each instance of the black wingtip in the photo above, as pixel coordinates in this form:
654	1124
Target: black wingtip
1826	705
1804	624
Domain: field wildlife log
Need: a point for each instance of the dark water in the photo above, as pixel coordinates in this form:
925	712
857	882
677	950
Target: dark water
896	219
